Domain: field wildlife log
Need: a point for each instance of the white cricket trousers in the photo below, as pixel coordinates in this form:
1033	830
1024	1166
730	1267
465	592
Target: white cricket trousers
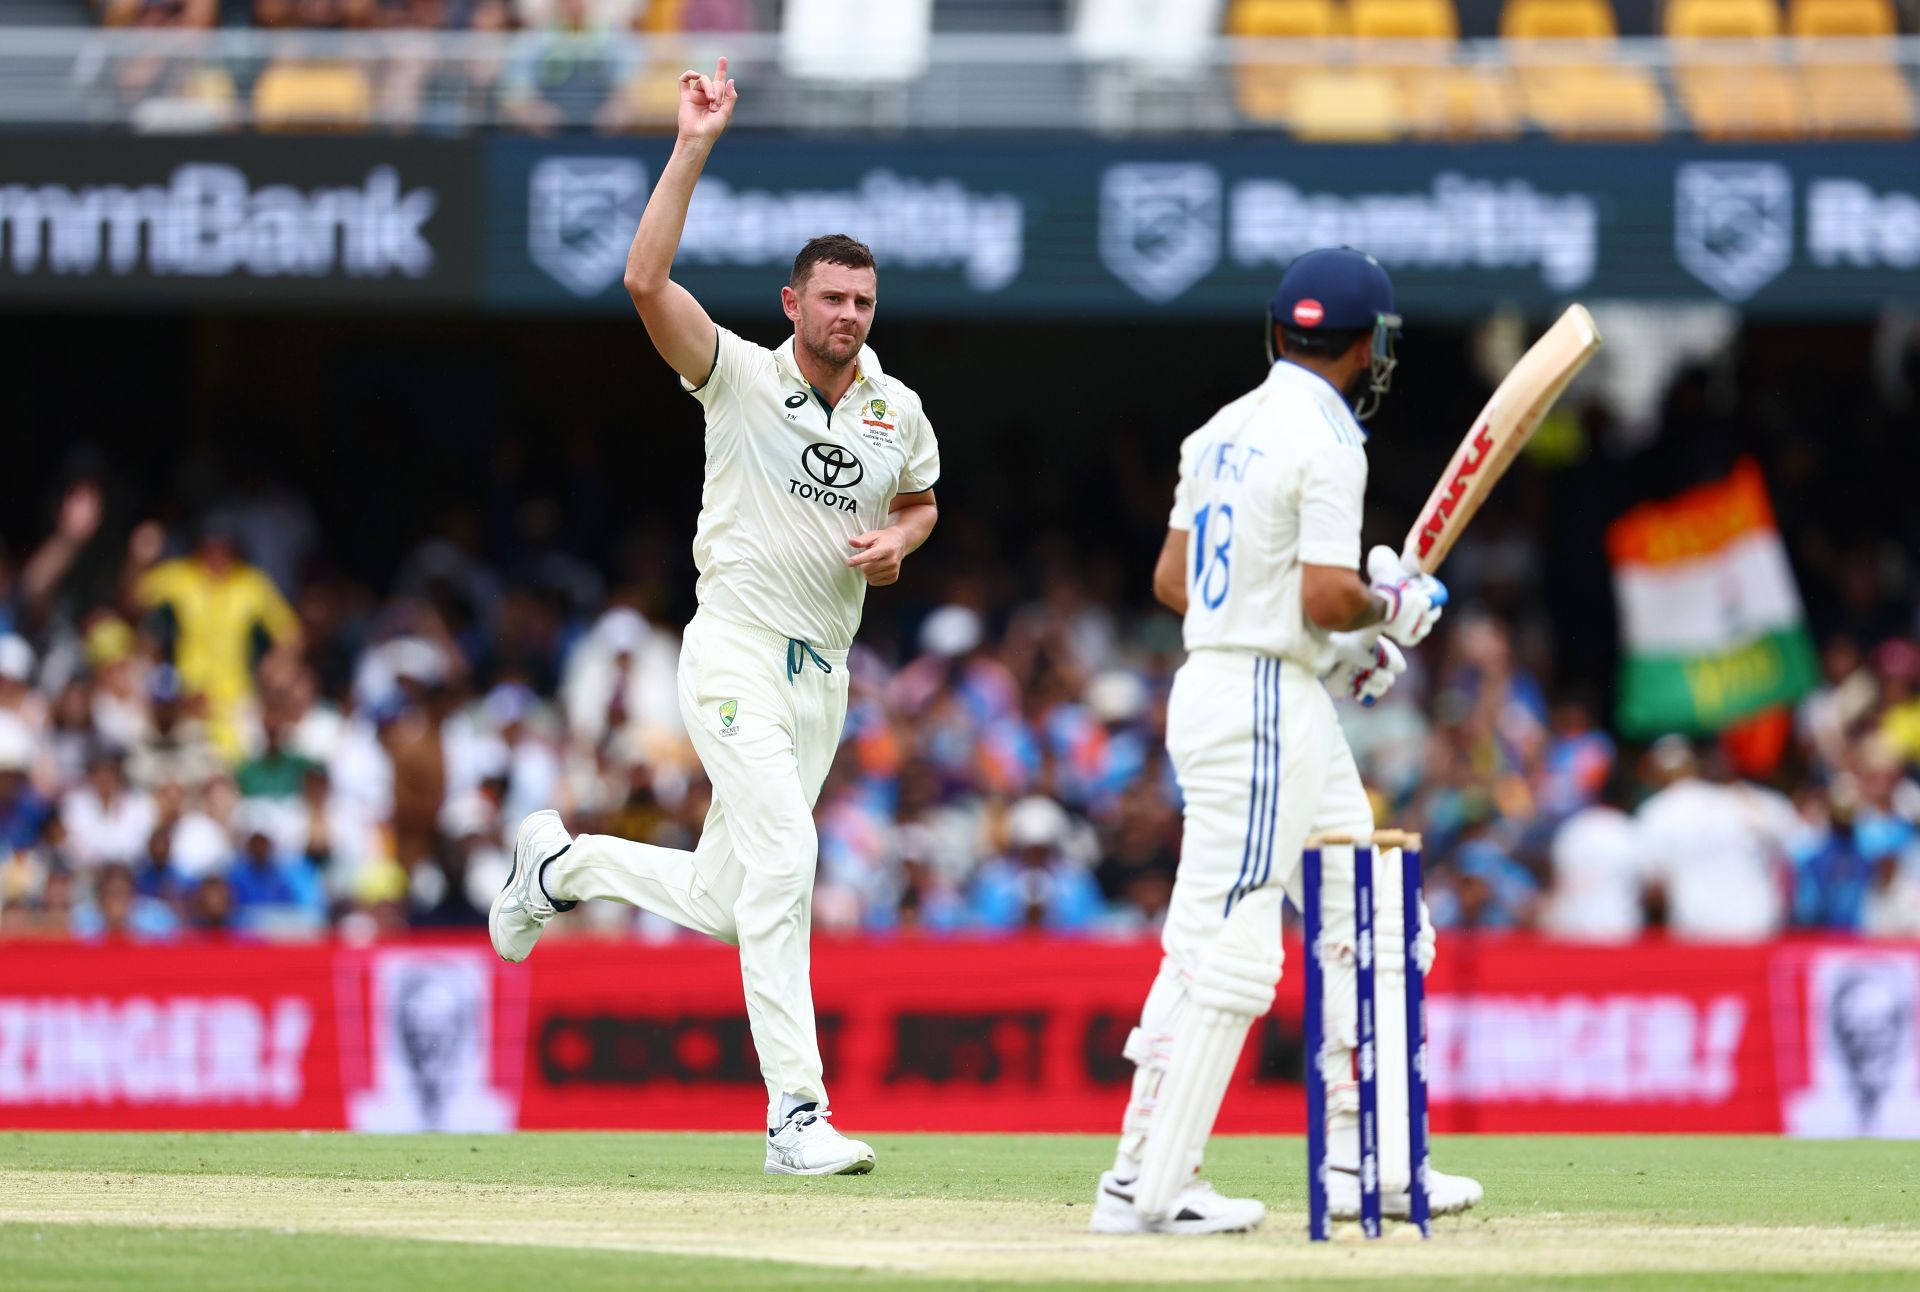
1262	763
765	718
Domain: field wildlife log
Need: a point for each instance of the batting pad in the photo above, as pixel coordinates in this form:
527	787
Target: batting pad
1233	986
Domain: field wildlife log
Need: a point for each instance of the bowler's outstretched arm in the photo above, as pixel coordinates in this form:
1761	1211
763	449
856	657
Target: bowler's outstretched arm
678	326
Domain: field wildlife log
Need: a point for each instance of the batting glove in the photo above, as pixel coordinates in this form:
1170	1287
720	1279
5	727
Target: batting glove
1413	599
1366	666
1425	945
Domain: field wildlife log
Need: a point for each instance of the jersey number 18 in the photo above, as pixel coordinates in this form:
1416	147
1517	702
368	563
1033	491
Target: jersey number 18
1211	569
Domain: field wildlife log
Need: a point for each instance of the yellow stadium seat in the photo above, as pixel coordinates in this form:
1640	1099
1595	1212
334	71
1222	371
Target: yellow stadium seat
1861	91
1722	19
1266	90
1558	20
1594	101
1570	84
1460	103
306	95
1743	101
1746	97
1857	99
1841	18
1292	19
662	17
1408	20
1412	40
1351	106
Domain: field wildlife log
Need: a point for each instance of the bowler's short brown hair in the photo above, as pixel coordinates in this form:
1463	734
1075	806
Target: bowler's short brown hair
832	249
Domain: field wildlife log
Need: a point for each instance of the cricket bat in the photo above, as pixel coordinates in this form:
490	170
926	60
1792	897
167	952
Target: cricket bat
1499	433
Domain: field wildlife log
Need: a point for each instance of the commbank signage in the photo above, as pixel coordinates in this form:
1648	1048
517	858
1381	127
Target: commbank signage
252	221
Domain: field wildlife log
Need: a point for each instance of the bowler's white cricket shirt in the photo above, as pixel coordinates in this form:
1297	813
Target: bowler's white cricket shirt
789	481
1274	480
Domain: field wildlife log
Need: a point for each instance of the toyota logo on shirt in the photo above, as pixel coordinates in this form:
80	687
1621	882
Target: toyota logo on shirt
833	466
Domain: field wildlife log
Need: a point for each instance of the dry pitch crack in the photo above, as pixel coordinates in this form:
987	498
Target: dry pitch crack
999	1240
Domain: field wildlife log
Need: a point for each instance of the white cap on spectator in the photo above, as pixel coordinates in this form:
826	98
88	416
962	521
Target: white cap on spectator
16	658
509	703
1116	696
417	658
1672	754
491	757
621	630
950	631
16	744
465	815
913	842
1036	822
258	816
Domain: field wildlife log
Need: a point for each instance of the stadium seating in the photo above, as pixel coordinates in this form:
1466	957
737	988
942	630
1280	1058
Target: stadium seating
1273	91
1570	85
1862	91
1412	40
1745	97
306	96
1841	18
1345	106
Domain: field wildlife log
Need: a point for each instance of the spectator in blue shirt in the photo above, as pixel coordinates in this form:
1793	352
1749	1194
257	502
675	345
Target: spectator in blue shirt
23	813
119	911
1830	882
271	891
1037	885
1491	890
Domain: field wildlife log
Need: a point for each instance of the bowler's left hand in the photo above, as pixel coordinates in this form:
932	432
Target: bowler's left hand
879	557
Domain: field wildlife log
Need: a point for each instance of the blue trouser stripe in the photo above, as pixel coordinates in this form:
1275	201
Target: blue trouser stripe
1253	795
1263	795
1273	757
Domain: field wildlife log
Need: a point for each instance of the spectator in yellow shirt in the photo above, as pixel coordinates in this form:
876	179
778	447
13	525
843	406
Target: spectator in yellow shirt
1898	664
220	608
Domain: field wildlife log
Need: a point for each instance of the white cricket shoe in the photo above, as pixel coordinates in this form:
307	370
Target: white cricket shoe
1446	1195
1197	1209
523	908
807	1144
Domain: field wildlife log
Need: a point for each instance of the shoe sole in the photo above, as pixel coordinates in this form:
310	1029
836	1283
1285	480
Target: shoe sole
859	1166
520	840
1123	1220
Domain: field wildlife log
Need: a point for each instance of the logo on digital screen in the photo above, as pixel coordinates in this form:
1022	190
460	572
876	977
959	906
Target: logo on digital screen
581	214
1160	226
1733	224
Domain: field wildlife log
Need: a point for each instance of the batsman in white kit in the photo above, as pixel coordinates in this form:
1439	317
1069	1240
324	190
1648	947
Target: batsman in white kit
1262	558
819	482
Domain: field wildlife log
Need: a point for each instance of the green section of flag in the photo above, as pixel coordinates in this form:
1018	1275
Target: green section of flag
1701	694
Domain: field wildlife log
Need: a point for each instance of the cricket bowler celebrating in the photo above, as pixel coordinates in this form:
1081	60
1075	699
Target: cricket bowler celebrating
819	482
1262	558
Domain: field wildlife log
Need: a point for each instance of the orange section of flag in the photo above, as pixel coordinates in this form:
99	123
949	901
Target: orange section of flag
1755	746
1693	524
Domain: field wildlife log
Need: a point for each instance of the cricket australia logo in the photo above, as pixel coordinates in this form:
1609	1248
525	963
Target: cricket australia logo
1160	226
1733	224
581	212
729	710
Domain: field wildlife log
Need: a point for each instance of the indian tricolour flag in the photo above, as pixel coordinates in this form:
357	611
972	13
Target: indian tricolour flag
1710	620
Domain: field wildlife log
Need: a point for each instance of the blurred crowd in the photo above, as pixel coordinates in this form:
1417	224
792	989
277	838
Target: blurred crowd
213	733
576	69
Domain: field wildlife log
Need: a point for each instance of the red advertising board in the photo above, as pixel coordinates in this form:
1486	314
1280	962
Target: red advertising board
1025	1034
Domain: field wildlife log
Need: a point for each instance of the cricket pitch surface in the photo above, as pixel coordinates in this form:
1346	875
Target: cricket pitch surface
688	1210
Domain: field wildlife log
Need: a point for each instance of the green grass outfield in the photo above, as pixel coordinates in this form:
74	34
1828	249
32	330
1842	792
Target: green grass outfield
551	1212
